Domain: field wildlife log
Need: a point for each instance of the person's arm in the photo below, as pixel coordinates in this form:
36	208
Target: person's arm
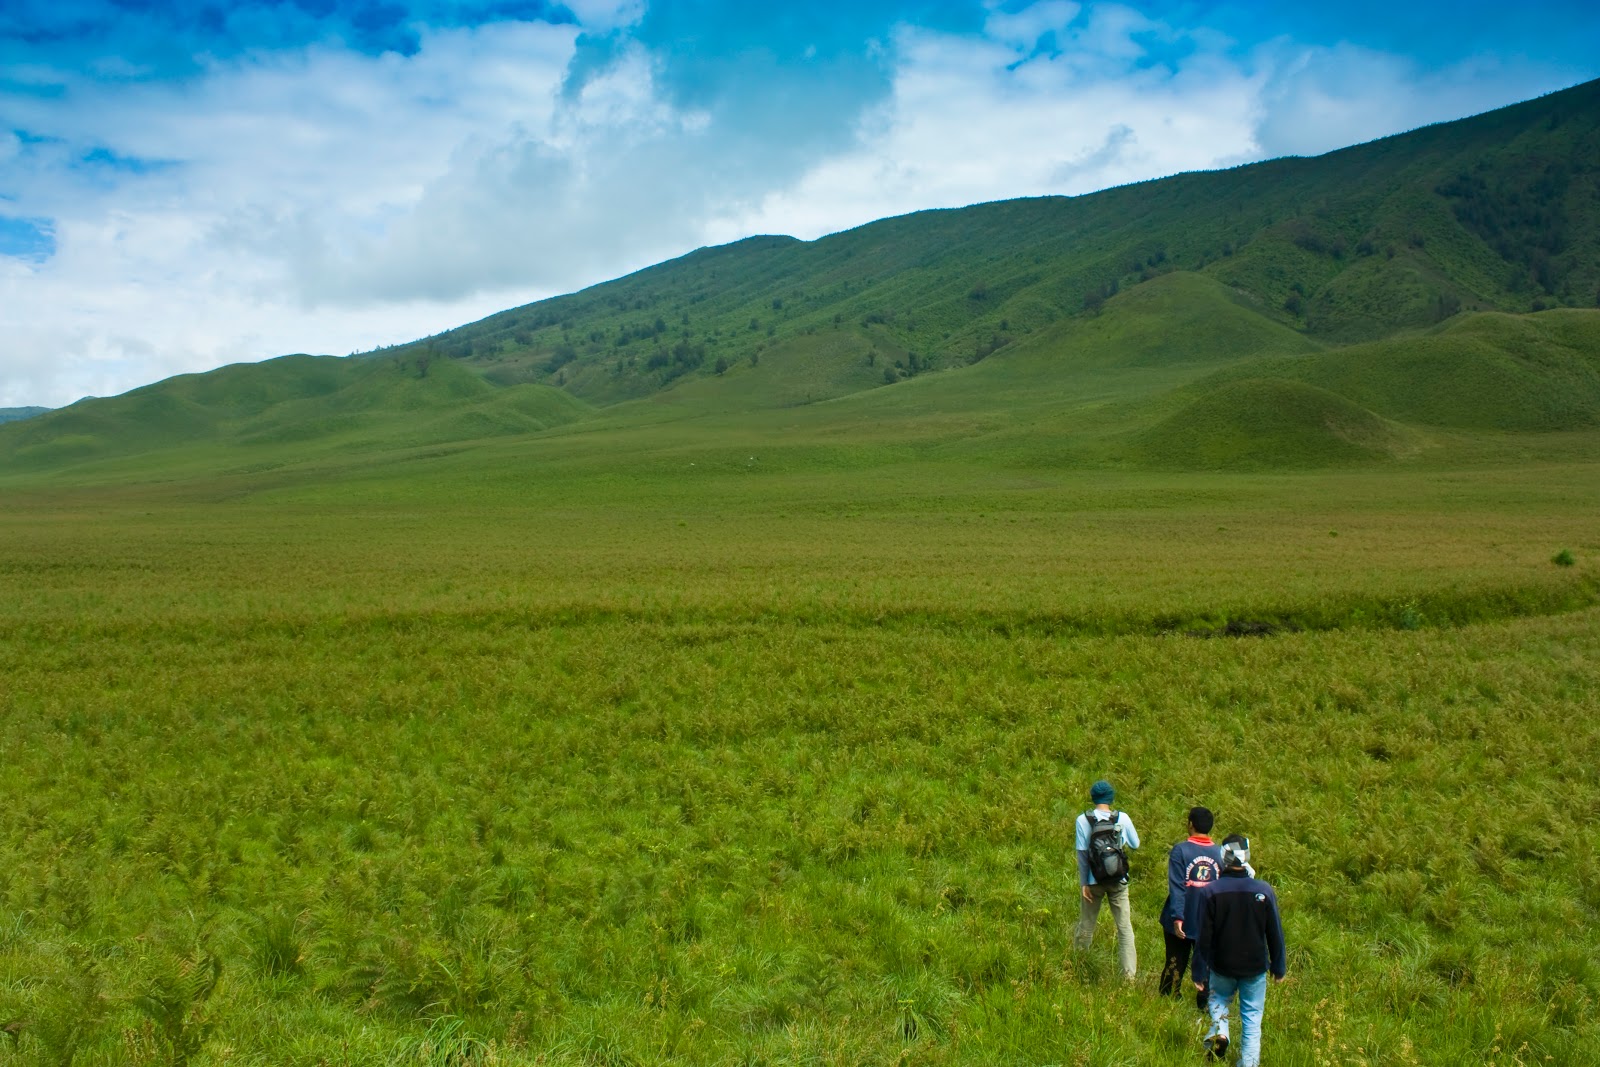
1275	947
1130	836
1081	844
1175	888
1192	903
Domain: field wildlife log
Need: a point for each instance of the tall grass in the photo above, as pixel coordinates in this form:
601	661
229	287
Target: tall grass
785	771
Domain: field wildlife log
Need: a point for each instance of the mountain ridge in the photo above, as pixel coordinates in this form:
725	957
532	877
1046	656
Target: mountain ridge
19	413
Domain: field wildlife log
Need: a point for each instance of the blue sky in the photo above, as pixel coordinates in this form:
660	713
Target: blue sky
184	185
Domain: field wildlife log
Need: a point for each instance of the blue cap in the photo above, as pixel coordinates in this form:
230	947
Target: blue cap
1102	793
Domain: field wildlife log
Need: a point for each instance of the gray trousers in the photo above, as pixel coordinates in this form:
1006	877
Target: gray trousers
1117	896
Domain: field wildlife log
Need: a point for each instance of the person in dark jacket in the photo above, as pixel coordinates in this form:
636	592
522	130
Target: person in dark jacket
1192	863
1239	936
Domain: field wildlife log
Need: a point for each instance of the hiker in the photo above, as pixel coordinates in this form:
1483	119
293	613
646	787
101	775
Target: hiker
1103	838
1239	936
1192	863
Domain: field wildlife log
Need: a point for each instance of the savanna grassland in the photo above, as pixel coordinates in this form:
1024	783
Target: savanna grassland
708	666
460	761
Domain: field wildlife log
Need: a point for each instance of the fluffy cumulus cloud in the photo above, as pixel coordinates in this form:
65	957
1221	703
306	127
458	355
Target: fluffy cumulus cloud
1050	99
613	176
185	211
180	190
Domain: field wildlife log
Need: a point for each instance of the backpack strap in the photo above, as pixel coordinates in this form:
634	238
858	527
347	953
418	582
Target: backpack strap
1089	817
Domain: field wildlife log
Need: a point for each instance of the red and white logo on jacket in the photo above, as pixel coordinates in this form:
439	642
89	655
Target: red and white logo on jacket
1201	870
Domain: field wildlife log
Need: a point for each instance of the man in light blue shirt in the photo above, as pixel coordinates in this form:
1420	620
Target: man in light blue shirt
1113	890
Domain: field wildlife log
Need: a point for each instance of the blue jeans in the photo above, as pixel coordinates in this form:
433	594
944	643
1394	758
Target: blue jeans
1252	1005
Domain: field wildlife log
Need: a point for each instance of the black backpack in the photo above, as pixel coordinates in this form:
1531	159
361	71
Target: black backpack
1108	860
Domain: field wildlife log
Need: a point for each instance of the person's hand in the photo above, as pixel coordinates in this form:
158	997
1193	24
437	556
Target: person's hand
1087	895
1199	987
1279	979
1177	927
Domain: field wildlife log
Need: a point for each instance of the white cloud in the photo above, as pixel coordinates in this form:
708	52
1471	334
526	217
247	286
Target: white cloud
973	121
617	179
1315	100
79	332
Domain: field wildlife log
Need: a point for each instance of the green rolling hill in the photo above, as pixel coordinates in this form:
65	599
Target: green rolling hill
1269	422
1378	304
302	403
1488	371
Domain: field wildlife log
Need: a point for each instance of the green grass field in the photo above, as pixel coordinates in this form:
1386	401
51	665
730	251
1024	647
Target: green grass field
618	757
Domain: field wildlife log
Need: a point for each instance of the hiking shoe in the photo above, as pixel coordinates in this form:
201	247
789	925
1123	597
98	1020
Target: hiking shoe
1217	1047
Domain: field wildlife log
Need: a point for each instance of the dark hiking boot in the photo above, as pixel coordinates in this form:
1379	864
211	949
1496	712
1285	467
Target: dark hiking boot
1217	1047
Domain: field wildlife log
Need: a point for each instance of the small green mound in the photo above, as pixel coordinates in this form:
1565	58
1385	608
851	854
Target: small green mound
1514	373
240	390
1176	318
1267	423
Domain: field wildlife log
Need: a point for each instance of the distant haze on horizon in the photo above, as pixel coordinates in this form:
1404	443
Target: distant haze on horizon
184	186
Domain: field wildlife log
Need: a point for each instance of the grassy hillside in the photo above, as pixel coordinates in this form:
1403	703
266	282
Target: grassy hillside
1496	212
301	404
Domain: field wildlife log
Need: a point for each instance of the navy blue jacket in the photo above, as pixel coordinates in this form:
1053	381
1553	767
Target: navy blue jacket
1191	864
1239	929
